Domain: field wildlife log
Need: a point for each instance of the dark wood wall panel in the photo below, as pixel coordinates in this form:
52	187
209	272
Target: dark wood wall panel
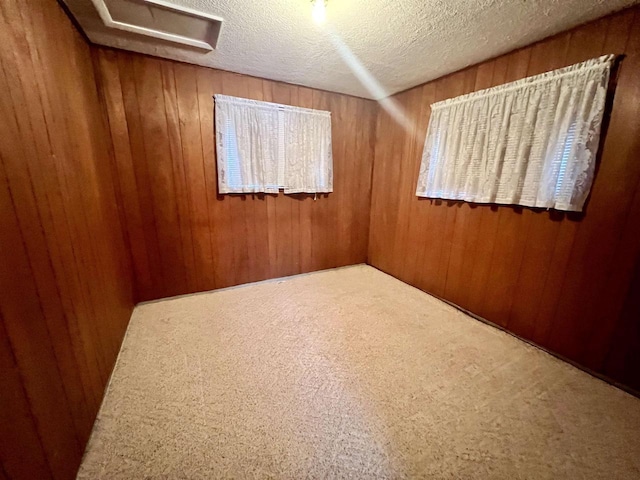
108	193
65	281
565	281
183	236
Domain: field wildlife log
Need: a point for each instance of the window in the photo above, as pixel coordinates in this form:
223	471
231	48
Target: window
265	147
532	142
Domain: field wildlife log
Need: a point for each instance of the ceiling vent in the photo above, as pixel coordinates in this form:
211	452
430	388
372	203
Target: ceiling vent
161	20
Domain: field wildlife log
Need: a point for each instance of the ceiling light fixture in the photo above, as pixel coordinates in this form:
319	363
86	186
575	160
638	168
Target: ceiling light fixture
318	11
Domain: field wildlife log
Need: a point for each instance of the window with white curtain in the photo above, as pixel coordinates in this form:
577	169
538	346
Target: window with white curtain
532	142
265	147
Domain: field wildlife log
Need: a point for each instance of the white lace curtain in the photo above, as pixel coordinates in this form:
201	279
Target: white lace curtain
532	142
263	147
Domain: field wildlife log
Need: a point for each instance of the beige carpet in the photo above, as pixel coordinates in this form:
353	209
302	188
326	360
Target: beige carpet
348	373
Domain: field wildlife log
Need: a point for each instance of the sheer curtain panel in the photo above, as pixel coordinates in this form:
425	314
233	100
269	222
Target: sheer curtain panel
265	147
532	142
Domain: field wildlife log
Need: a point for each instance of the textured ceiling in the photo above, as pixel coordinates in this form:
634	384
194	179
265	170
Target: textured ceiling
399	43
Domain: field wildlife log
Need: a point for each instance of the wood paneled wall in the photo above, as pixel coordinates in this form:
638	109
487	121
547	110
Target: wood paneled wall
108	194
183	236
65	282
564	281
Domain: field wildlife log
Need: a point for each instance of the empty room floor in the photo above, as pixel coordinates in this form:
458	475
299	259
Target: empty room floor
348	373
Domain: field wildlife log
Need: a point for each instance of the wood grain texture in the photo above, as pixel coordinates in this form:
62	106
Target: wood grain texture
183	236
567	282
108	194
65	281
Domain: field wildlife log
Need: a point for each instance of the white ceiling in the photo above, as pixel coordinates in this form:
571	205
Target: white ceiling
400	43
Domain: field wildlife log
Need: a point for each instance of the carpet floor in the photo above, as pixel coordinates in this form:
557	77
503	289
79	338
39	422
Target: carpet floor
348	373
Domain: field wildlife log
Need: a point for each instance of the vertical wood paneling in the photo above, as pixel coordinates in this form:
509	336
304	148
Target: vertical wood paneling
305	222
19	432
113	104
542	230
194	239
579	284
65	280
453	272
501	280
103	191
624	349
616	280
418	210
159	168
565	281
